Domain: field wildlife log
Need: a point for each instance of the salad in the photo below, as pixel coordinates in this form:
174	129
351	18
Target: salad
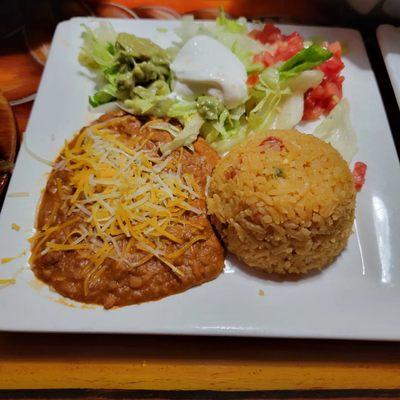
223	81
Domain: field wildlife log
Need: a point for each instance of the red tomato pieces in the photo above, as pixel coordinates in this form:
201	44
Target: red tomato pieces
273	143
230	173
269	34
286	46
359	172
265	58
336	49
253	79
324	97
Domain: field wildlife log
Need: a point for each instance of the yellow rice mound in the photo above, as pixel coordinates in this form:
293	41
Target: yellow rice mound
283	201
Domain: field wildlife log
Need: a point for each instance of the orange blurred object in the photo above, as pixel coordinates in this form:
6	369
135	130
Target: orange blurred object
19	72
249	8
8	137
21	114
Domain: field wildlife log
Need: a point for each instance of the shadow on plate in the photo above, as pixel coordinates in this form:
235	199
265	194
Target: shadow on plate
279	278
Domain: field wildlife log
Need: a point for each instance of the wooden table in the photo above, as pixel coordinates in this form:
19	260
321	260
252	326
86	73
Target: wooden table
109	366
37	361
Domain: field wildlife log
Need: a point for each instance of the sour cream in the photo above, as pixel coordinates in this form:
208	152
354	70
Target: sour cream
204	66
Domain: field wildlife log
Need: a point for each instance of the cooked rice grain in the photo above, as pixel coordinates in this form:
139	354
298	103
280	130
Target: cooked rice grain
285	205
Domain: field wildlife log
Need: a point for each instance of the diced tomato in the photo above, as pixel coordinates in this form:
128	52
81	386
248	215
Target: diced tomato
312	113
336	49
230	173
332	66
288	47
265	58
329	92
253	79
254	34
332	89
331	103
359	171
269	34
258	58
273	143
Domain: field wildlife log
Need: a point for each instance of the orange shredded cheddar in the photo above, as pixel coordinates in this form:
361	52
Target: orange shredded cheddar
15	227
122	188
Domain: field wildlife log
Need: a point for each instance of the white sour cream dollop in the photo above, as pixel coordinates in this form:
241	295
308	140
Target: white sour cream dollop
204	66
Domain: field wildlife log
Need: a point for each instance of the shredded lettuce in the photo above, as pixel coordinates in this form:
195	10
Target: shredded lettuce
100	97
98	46
182	109
231	25
336	129
222	146
165	126
264	100
186	137
153	100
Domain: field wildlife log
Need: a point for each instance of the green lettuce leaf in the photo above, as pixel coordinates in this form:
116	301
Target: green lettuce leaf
98	46
107	94
152	100
231	25
304	60
182	109
186	137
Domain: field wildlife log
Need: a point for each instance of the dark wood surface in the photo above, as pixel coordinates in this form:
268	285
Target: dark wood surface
64	394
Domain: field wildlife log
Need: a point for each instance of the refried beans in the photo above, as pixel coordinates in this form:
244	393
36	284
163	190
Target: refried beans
87	247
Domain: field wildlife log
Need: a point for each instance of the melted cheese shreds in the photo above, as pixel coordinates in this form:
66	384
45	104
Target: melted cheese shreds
7	282
124	189
15	227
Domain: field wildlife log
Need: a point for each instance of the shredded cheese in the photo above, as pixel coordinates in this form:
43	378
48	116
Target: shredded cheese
18	194
15	227
6	260
122	189
7	282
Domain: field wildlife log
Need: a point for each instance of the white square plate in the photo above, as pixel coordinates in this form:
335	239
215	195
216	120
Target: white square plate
389	42
357	297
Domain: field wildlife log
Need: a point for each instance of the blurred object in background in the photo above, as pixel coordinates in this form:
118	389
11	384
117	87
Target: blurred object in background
26	30
379	10
8	141
156	12
11	18
363	6
111	10
392	8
